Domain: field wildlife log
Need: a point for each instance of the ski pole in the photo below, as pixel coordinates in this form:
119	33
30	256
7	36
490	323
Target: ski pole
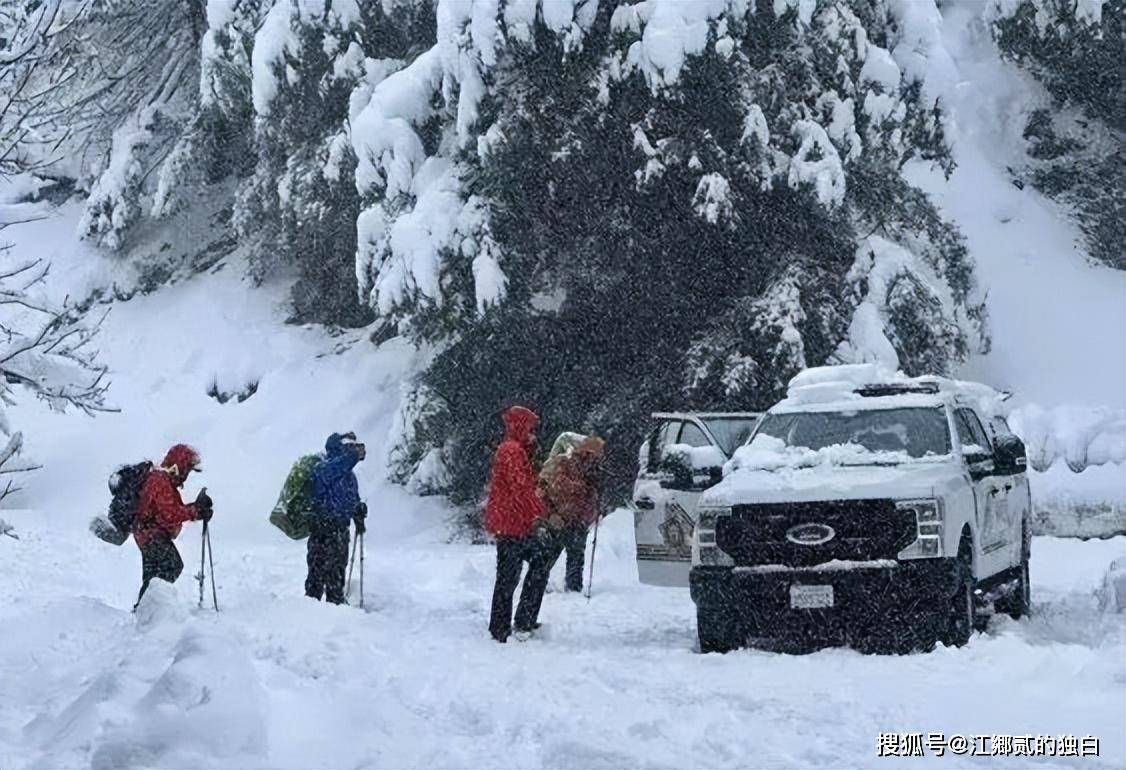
351	564
361	572
211	564
593	551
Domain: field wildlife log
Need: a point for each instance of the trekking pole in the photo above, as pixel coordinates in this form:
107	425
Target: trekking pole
202	555
211	564
351	564
361	572
593	551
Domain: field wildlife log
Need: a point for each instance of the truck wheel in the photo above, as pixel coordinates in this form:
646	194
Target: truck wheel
716	634
1018	603
960	615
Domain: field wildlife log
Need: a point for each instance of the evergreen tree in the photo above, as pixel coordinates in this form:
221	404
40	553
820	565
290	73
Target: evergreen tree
685	205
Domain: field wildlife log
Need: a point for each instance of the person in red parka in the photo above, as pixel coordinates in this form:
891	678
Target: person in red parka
161	513
512	509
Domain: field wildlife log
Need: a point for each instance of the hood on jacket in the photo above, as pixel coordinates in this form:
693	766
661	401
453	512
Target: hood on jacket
592	447
589	452
339	444
519	422
180	461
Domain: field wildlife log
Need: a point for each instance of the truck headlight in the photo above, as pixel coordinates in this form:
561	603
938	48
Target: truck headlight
704	549
928	528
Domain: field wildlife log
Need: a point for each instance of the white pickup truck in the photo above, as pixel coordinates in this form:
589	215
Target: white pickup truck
883	514
682	456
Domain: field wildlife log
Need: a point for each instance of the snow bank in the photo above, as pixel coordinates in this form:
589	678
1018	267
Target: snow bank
207	708
1081	436
1087	504
1112	593
163	604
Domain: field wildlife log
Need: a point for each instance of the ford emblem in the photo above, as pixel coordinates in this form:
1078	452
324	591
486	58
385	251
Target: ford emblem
810	534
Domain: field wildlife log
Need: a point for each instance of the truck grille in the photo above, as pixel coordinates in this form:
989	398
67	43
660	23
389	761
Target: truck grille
862	530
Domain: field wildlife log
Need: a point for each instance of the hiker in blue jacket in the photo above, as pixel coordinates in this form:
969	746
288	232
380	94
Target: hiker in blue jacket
335	495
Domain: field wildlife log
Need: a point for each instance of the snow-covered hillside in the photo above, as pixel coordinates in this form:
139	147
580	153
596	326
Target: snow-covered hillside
1058	320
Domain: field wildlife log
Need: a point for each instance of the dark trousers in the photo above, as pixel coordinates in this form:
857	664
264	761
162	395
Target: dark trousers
327	558
159	559
512	552
571	539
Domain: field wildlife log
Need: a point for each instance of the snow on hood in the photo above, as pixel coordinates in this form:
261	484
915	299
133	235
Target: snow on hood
767	470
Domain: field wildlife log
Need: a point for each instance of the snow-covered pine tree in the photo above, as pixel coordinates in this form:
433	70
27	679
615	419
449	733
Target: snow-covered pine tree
1075	48
656	205
128	75
279	79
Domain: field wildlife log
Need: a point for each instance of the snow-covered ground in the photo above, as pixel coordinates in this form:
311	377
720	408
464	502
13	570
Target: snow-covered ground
277	680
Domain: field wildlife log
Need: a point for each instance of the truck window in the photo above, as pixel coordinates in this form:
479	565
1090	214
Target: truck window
730	432
664	435
918	431
970	430
693	436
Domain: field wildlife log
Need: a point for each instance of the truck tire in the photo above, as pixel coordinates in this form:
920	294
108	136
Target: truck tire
1018	602
715	632
960	615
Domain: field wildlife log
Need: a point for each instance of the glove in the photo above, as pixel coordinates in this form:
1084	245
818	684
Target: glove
361	510
204	505
361	528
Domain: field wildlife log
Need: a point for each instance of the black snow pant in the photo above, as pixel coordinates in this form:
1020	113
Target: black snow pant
571	539
159	559
327	558
512	552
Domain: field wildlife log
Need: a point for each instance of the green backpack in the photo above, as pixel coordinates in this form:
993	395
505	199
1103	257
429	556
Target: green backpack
291	512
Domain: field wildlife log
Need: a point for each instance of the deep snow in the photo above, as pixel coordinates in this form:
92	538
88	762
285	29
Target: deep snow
277	680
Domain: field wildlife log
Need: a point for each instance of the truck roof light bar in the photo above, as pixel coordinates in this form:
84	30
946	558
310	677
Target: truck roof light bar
897	388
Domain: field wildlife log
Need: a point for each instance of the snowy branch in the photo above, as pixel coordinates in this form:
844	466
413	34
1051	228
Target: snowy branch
44	349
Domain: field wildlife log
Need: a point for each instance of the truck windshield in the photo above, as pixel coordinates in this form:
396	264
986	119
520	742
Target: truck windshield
730	432
917	431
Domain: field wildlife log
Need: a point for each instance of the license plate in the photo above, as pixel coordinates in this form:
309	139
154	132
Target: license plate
810	597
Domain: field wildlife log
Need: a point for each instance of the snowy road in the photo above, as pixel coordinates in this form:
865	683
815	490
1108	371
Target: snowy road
277	680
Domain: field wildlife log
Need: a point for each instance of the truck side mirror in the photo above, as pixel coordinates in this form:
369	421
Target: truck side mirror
677	465
1009	456
693	468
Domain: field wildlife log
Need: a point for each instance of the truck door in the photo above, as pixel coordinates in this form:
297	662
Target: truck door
989	492
664	507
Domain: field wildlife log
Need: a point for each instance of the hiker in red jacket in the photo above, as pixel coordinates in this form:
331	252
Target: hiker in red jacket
513	507
161	512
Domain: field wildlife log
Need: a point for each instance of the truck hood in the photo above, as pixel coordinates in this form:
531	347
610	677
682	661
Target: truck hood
834	482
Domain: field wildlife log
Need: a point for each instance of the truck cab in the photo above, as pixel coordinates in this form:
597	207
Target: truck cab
681	457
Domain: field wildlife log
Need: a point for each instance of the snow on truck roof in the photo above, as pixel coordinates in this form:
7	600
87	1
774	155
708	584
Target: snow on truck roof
705	415
870	386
